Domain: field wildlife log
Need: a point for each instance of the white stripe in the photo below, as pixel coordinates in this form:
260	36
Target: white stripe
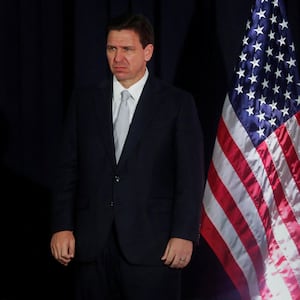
277	286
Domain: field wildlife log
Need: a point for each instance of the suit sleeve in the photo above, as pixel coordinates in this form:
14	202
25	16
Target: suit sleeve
189	172
63	195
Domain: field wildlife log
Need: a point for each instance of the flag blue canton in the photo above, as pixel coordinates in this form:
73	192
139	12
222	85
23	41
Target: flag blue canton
267	89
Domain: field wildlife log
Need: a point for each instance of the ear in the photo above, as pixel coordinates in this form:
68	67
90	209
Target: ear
148	51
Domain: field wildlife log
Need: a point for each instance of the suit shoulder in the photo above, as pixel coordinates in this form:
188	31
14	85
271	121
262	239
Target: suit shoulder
91	91
162	86
92	88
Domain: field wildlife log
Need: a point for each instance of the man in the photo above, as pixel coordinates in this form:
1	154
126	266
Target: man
130	222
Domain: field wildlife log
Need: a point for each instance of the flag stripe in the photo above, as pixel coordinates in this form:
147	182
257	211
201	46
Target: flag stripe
297	116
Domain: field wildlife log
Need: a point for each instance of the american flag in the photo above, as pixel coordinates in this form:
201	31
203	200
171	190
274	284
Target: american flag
251	205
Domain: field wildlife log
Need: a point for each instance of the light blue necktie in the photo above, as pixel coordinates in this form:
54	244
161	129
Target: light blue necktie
121	124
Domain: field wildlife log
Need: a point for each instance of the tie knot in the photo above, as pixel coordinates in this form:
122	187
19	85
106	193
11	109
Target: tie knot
125	95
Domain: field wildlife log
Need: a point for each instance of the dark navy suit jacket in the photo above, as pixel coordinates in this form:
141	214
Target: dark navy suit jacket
152	194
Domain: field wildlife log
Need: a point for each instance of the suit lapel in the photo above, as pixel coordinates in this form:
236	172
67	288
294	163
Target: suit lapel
144	113
103	110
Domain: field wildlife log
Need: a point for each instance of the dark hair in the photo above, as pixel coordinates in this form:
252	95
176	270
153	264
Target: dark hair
136	22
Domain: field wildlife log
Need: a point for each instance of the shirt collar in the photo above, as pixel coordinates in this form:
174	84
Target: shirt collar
135	90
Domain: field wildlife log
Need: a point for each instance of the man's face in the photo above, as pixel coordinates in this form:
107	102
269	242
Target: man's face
126	57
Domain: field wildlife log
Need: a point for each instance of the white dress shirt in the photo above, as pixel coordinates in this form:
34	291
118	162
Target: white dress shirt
135	91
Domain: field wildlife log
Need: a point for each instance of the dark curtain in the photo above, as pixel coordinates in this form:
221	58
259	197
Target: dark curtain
49	46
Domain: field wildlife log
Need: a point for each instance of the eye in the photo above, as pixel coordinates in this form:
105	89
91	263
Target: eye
127	49
110	48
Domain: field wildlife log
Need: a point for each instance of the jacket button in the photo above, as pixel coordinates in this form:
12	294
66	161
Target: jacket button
117	178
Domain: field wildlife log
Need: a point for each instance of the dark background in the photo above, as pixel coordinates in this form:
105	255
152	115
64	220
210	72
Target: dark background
49	46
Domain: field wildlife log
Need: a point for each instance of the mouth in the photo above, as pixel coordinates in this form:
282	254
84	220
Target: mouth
119	68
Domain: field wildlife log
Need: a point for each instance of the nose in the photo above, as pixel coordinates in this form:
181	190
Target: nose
118	55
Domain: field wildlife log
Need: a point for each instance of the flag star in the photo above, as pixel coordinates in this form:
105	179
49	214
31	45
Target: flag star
287	95
280	56
262	100
273	105
248	24
249	110
243	56
261	116
239	89
259	30
269	51
241	73
272	121
265	83
245	40
252	78
278	73
291	62
289	78
271	35
285	111
276	89
273	19
267	67
298	100
275	3
257	46
292	47
251	95
261	14
261	131
281	41
255	62
283	24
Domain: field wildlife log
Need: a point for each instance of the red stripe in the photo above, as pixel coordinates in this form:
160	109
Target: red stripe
297	116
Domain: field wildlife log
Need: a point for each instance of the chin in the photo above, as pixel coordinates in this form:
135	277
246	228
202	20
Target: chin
120	76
